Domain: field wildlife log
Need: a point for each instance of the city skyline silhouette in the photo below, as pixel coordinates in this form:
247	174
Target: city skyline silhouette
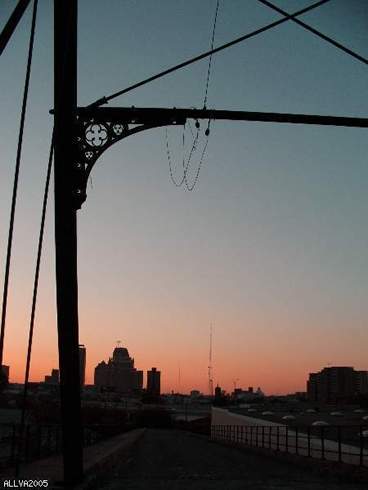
271	244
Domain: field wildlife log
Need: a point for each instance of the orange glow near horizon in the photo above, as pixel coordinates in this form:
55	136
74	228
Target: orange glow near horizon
278	367
189	378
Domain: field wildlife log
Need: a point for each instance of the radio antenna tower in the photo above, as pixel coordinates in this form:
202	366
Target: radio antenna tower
210	380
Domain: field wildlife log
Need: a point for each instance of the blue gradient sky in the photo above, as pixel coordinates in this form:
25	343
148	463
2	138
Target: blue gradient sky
271	246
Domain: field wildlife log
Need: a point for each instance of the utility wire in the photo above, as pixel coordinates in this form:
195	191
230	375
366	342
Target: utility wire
186	165
190	187
16	178
317	33
210	60
175	182
106	99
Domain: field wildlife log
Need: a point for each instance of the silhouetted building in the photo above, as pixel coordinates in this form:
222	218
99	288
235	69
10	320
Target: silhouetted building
154	382
52	379
5	370
334	383
119	373
362	382
82	364
221	399
312	387
247	395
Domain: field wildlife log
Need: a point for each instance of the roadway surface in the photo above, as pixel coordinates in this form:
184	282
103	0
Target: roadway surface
174	460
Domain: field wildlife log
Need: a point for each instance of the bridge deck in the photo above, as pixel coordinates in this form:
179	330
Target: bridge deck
172	460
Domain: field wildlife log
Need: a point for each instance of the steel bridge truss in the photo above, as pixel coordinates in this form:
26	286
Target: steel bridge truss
99	128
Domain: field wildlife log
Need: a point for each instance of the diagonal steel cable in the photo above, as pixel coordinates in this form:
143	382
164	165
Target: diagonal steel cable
106	99
34	302
317	33
16	179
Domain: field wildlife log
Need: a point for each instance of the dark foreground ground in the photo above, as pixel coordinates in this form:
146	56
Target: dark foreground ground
173	460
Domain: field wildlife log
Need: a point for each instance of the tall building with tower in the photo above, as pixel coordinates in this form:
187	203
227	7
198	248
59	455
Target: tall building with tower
119	373
82	364
154	382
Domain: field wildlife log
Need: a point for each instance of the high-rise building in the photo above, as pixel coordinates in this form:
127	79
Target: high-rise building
154	382
119	373
82	364
334	383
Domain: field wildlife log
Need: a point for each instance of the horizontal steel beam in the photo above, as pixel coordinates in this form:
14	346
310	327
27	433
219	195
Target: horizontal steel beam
150	115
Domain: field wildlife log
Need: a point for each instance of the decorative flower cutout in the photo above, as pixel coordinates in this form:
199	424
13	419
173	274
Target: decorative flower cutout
96	135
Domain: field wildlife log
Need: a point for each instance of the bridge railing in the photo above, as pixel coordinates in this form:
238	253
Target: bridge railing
40	441
343	444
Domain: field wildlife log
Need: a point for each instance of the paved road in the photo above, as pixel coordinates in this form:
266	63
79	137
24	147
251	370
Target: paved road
173	460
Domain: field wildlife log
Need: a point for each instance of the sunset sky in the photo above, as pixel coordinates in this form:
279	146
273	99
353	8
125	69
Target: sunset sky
272	245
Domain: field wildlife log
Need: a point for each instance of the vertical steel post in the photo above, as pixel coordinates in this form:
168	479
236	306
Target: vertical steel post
65	105
13	443
296	440
287	439
269	437
39	441
339	443
26	451
48	440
